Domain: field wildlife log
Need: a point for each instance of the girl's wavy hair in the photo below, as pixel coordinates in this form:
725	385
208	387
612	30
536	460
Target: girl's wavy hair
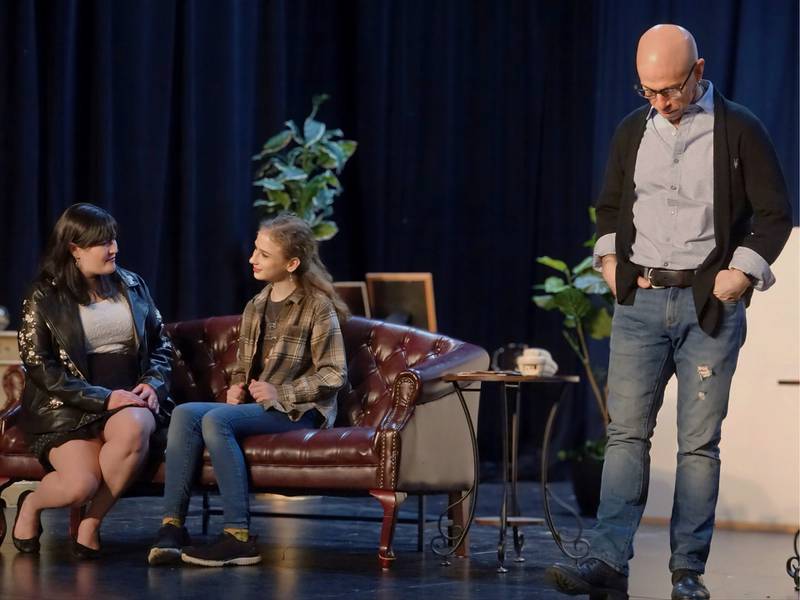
84	225
296	240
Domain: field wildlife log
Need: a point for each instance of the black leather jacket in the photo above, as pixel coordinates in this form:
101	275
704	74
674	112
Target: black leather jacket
57	395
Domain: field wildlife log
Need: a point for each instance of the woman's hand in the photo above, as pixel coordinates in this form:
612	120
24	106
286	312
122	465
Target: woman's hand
235	394
120	398
261	391
146	392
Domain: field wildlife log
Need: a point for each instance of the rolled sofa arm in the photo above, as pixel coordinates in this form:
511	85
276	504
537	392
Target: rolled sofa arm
423	383
405	395
467	357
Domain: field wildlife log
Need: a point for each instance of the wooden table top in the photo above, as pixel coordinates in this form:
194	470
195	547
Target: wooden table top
508	377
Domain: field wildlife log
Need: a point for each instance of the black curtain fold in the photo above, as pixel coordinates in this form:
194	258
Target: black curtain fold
482	126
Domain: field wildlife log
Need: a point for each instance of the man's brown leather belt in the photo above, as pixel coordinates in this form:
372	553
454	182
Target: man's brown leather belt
663	278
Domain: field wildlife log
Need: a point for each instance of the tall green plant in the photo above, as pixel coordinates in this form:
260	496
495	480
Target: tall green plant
581	295
299	170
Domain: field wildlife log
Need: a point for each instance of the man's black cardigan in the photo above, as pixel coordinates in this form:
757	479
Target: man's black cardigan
751	202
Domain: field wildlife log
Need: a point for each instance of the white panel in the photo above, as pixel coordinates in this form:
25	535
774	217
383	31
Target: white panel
760	447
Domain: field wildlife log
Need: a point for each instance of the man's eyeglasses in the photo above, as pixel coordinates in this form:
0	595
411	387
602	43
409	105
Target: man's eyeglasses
671	92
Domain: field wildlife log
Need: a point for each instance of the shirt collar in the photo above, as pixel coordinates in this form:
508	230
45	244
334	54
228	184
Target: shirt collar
705	103
293	298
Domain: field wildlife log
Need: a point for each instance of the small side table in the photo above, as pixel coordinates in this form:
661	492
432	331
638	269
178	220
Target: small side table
793	563
509	509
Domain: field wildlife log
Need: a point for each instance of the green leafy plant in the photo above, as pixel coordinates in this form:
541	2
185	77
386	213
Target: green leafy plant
581	295
591	449
299	171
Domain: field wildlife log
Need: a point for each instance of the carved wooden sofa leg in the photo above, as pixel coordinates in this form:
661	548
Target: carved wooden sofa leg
390	501
3	525
458	519
4	483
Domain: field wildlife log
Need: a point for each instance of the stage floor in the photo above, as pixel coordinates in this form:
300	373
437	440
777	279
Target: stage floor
318	559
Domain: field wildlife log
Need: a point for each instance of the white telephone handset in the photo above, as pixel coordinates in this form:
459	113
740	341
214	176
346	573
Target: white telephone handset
536	362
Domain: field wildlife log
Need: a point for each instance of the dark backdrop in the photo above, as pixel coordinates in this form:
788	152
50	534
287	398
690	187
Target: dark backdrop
483	129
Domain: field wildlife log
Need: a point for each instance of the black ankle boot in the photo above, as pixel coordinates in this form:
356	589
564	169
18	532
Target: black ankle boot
688	585
591	576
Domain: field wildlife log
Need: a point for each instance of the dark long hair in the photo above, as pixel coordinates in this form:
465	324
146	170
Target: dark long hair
84	225
296	240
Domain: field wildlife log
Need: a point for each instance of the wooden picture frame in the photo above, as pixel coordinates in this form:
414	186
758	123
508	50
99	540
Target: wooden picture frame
354	294
403	294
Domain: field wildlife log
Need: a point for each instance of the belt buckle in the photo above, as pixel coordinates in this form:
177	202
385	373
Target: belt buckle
647	272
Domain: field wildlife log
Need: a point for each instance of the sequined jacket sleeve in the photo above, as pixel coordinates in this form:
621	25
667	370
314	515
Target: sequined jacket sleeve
49	367
158	369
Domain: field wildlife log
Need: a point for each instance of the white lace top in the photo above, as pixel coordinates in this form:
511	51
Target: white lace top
108	326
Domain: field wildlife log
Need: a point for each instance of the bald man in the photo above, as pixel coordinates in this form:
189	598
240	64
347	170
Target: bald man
692	212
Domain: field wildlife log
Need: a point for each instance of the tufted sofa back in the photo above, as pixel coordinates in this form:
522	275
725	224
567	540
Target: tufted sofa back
376	353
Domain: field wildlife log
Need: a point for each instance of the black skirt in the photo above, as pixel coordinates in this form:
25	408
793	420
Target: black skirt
112	371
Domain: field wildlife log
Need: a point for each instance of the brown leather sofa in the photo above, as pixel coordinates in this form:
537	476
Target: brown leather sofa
400	429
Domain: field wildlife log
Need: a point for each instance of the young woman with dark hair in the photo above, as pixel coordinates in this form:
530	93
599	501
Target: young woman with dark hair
290	366
97	366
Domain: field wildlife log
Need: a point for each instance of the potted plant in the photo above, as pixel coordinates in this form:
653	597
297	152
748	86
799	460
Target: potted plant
298	172
581	295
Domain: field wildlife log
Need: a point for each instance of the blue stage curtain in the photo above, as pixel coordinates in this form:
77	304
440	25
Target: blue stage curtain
483	131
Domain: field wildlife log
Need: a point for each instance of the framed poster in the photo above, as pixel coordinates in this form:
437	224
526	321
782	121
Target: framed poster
405	298
354	294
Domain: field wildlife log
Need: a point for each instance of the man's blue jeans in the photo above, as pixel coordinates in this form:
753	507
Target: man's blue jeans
656	337
218	427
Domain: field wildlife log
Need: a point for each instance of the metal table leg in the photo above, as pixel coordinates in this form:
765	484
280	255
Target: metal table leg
519	538
578	543
445	539
501	544
793	564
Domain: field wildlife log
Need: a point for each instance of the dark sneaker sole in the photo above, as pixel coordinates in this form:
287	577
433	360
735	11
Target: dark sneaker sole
164	556
566	583
239	561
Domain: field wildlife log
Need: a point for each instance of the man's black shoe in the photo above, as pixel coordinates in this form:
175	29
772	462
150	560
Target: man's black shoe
591	576
688	585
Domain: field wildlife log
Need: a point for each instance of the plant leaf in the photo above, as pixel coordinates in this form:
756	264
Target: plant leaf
332	133
281	199
332	150
325	230
593	214
289	173
553	263
573	303
316	102
584	265
553	285
296	135
323	198
591	283
327	178
599	324
277	142
269	184
313	131
545	301
348	148
292	156
265	203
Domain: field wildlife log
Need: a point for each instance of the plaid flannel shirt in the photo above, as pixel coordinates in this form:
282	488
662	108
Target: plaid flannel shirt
307	362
